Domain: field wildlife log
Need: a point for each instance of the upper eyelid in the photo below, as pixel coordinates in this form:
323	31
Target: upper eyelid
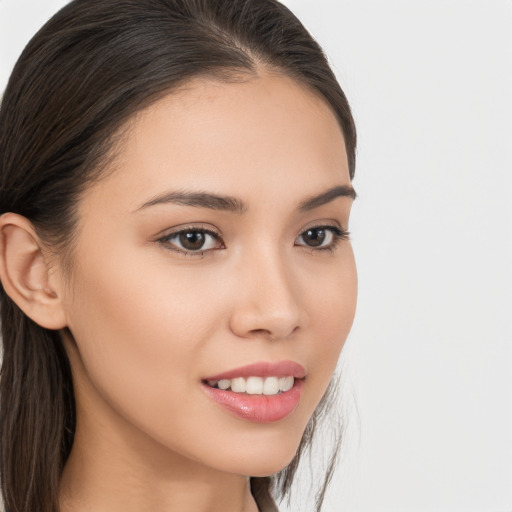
212	230
207	228
322	224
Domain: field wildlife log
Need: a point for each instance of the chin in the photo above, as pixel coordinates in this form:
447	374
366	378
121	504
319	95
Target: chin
264	458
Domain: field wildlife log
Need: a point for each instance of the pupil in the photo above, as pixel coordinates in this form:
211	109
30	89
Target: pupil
315	237
192	240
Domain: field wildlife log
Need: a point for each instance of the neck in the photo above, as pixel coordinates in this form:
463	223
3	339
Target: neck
104	492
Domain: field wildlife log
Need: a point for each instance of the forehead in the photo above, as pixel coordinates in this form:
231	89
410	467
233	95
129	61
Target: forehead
230	137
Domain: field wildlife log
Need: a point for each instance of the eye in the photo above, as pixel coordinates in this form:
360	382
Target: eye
192	240
322	237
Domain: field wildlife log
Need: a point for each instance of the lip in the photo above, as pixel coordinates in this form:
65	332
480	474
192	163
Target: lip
257	408
263	369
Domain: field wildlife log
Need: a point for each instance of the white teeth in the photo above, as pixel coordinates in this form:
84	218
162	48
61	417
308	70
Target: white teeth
271	386
224	383
255	385
286	383
238	385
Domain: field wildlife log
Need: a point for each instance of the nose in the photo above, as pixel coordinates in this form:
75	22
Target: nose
267	300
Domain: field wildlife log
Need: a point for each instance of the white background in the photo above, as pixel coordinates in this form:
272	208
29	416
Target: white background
428	366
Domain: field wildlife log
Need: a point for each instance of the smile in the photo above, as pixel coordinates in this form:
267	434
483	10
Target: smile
262	392
255	385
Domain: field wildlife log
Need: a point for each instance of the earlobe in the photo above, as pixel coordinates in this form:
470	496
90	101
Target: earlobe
25	273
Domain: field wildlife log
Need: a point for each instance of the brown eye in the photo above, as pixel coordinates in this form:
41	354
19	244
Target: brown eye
321	237
314	237
192	240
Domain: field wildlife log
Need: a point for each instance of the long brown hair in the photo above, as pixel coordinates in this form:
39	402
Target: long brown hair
83	75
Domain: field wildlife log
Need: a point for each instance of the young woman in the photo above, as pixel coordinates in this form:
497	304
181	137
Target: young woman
177	276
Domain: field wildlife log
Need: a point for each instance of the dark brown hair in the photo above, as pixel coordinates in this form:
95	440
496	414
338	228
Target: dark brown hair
83	75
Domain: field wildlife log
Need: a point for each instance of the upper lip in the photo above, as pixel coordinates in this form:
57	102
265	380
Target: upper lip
263	369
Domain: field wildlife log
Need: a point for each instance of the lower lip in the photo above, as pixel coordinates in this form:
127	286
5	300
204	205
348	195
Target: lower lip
258	408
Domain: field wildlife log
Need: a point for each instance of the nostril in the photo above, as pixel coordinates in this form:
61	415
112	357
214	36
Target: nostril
274	334
263	332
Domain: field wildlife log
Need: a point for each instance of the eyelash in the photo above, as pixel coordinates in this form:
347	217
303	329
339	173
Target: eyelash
338	235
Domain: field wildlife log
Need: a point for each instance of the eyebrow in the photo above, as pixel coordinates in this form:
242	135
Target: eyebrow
200	200
326	197
235	205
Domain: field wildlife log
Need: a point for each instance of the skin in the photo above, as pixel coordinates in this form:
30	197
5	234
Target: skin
145	322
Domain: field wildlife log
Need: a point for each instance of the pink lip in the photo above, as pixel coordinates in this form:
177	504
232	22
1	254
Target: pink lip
263	369
257	408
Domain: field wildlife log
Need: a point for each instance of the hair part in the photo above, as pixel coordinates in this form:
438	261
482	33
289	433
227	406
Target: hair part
78	82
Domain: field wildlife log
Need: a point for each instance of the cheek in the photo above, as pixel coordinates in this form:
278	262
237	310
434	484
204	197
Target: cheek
332	306
334	302
140	333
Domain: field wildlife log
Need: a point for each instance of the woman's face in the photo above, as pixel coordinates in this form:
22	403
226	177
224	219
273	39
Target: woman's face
215	250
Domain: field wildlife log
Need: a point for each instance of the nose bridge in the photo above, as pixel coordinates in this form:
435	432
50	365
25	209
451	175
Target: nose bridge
269	301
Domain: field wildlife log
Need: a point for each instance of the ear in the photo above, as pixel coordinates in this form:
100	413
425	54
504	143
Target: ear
26	274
